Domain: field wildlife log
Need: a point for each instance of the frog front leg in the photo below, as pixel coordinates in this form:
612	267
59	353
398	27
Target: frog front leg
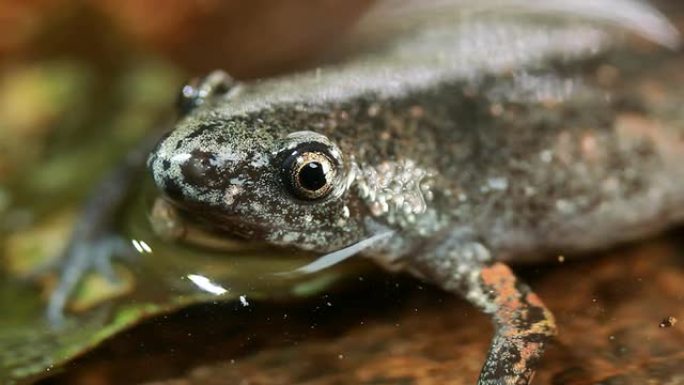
523	325
94	241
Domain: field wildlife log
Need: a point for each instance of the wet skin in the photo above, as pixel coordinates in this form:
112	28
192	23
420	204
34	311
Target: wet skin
515	141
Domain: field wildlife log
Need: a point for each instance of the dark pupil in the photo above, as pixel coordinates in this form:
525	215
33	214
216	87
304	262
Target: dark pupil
311	176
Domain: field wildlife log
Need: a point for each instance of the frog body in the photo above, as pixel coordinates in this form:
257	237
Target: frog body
449	150
527	160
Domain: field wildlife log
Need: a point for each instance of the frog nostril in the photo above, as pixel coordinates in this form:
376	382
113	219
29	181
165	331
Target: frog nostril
166	165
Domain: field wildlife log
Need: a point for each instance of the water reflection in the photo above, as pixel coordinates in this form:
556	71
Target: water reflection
205	284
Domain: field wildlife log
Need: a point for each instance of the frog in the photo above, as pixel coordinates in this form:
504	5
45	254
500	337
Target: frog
474	137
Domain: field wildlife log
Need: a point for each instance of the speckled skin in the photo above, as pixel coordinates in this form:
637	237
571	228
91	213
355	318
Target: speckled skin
477	141
514	141
525	177
525	155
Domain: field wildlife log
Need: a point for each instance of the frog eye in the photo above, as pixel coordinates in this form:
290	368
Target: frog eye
309	171
198	90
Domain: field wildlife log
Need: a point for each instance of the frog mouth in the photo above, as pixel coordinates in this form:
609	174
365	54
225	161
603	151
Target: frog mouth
172	222
235	235
338	256
234	241
243	237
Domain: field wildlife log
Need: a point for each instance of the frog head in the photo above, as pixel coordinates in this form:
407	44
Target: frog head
260	179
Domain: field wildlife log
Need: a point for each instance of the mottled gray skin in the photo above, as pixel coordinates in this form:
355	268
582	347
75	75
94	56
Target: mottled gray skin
487	138
557	155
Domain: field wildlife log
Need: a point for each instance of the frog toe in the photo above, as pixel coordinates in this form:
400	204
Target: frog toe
78	261
108	251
